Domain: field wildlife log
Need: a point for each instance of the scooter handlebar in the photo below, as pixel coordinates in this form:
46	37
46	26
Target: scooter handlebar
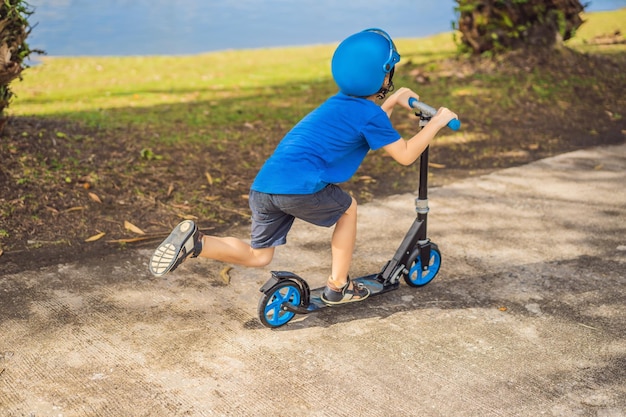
454	124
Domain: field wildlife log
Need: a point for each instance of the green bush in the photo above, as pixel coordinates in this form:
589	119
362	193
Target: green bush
494	26
14	29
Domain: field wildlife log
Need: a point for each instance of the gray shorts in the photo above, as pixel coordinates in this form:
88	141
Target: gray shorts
273	214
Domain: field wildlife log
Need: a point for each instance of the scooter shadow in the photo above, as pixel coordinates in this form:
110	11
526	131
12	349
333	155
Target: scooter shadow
435	295
544	288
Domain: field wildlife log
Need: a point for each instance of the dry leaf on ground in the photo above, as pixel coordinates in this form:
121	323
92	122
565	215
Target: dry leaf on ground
131	227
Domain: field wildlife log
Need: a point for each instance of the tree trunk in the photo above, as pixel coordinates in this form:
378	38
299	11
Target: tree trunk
502	25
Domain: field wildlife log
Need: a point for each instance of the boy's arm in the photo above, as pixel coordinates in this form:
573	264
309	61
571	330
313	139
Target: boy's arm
401	97
406	152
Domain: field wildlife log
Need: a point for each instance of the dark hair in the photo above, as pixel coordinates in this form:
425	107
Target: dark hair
385	89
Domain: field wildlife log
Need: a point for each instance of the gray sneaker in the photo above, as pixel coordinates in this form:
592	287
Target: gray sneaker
331	296
184	241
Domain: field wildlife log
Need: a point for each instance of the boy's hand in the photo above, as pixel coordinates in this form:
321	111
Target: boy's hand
402	96
443	117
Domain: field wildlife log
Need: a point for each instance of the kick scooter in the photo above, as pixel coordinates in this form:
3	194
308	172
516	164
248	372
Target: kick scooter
417	259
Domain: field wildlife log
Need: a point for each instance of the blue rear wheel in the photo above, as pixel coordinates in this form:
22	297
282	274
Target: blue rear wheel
270	309
417	276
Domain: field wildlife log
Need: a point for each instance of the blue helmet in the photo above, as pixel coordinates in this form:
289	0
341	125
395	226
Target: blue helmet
361	62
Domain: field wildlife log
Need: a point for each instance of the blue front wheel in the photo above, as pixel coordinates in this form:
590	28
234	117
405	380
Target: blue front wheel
270	309
418	276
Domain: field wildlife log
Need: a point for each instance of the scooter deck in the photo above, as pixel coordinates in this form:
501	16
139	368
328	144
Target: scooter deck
370	281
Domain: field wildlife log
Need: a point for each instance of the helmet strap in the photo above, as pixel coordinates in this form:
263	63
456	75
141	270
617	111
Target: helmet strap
388	87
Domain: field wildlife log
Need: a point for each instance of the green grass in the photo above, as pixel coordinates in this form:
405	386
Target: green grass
205	90
600	24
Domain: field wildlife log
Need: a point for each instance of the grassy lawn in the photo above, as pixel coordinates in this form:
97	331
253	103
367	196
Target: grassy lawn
205	91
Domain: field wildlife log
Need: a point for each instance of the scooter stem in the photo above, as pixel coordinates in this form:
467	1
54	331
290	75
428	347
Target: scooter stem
421	202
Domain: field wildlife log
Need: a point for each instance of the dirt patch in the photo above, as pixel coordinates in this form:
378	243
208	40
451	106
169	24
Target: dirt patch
62	183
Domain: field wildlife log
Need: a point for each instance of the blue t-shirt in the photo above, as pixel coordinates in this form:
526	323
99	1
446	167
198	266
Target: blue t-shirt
326	147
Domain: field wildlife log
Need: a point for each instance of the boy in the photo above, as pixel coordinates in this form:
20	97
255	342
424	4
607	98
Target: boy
323	149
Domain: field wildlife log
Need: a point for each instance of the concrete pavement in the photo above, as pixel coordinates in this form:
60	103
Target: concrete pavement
526	317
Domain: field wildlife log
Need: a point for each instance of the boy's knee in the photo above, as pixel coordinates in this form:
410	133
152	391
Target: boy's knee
263	257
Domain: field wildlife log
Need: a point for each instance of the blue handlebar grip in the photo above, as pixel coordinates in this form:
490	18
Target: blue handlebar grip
454	124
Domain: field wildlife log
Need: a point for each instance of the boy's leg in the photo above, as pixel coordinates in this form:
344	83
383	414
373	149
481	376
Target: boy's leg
342	245
236	251
187	241
331	206
339	288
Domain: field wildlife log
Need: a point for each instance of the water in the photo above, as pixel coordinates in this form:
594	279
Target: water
167	27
